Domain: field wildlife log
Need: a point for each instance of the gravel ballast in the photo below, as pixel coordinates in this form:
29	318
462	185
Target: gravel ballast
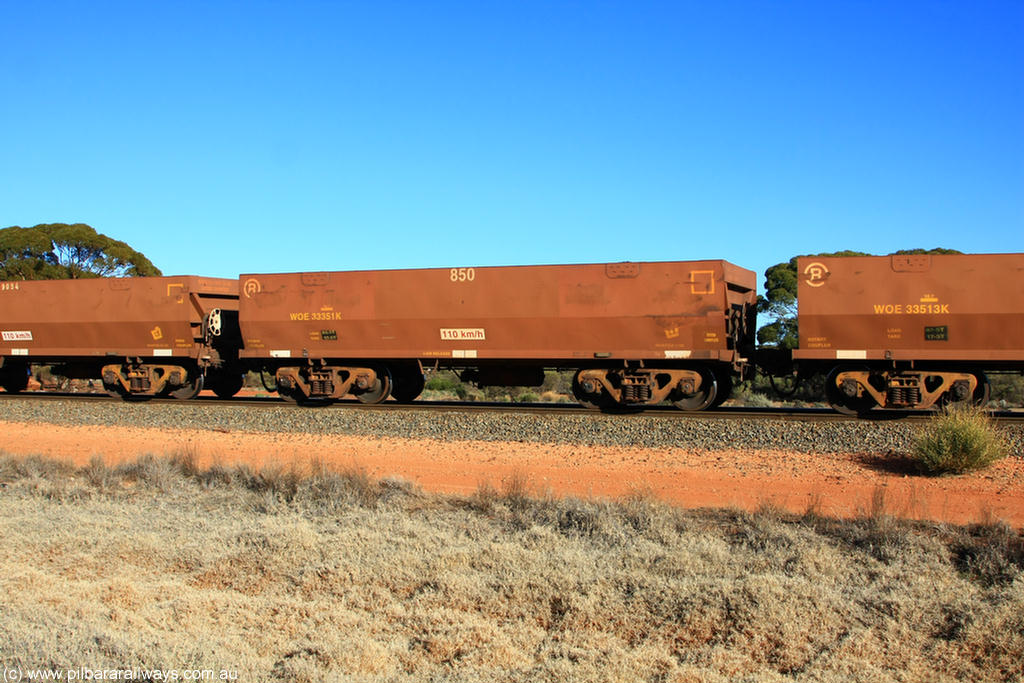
631	430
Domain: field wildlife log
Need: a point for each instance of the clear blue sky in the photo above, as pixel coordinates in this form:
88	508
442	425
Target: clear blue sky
228	137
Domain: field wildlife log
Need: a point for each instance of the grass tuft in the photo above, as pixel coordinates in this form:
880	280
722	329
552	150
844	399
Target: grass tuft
97	473
992	554
958	440
14	467
277	480
484	498
186	460
515	489
329	489
159	473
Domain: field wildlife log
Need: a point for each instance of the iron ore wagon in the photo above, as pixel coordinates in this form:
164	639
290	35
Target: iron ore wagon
144	336
635	333
910	331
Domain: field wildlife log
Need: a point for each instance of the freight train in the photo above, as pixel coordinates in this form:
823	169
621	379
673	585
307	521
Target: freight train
899	332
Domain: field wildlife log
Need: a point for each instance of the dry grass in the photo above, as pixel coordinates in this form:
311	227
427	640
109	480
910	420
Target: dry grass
307	574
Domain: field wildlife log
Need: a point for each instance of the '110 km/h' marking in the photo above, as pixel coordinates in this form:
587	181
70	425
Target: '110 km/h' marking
462	334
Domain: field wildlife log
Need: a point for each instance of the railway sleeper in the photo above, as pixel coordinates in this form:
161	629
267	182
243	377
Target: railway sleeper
324	382
903	390
145	379
636	386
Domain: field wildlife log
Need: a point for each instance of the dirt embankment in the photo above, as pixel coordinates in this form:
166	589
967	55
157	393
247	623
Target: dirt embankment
832	484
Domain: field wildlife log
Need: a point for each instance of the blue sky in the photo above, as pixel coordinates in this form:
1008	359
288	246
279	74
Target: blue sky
229	137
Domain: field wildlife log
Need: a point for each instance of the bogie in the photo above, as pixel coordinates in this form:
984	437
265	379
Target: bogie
688	389
858	390
326	383
138	381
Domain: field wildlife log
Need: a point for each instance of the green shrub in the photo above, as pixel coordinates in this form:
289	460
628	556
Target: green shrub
1007	390
957	440
443	381
750	398
558	381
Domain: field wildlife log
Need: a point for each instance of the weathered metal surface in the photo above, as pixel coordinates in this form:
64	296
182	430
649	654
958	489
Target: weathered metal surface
669	312
642	386
966	308
904	389
144	378
148	318
329	382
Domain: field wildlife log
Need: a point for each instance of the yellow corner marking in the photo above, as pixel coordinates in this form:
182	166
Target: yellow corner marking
179	296
702	282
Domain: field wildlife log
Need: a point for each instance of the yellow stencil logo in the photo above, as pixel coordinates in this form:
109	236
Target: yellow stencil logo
251	288
815	274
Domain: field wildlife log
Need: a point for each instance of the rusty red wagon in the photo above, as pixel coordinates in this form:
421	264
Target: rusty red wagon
635	333
142	336
910	331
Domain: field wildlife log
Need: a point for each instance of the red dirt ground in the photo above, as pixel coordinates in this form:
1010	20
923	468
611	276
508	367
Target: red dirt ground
841	485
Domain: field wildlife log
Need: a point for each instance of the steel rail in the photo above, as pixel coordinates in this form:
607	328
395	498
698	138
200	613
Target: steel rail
801	414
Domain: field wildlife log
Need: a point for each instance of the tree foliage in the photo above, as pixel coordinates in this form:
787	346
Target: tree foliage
52	251
779	300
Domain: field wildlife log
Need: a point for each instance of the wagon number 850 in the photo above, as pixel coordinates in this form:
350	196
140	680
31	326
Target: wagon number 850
462	275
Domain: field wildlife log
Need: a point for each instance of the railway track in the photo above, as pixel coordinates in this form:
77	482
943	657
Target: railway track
800	414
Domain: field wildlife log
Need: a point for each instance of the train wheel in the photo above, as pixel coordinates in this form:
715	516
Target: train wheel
588	396
705	395
407	384
841	401
296	397
982	392
980	397
380	390
225	384
189	390
117	391
291	396
114	390
723	391
14	379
